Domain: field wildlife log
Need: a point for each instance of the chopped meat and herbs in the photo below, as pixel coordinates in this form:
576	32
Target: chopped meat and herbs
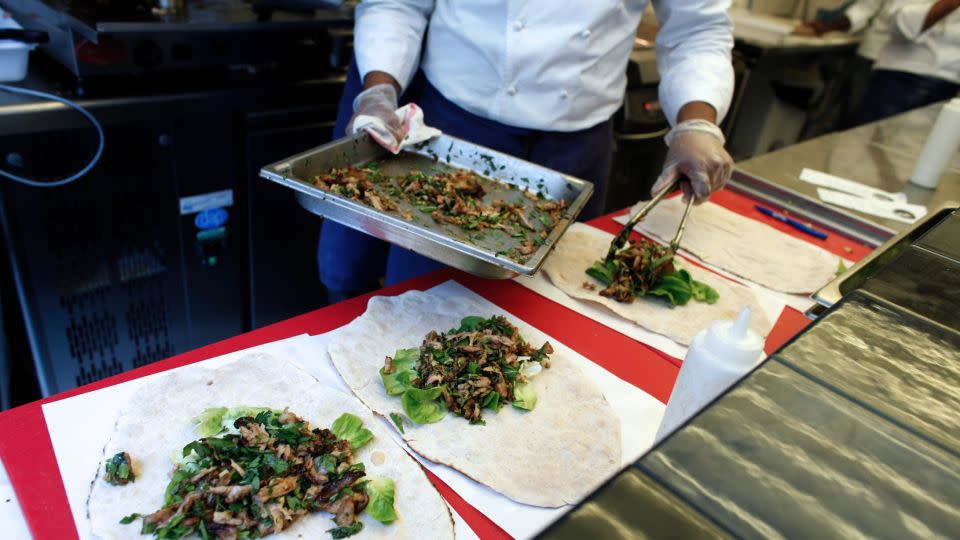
647	269
459	198
483	364
268	470
118	470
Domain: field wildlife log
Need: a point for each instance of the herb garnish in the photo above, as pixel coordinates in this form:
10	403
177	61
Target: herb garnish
118	470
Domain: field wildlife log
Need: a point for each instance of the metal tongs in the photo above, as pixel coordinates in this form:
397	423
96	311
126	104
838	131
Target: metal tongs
621	238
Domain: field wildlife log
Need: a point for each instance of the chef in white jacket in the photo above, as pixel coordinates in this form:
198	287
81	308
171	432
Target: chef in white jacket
539	79
920	64
867	18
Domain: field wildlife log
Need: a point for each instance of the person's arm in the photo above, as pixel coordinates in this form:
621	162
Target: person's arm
860	13
696	85
388	35
697	110
694	55
379	77
911	20
818	28
853	20
387	38
938	11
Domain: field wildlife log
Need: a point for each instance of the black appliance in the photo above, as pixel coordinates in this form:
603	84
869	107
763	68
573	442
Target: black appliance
171	242
94	38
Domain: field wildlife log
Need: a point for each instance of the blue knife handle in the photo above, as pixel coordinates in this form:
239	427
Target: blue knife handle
803	227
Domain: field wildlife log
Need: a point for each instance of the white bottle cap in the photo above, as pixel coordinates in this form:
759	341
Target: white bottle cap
733	341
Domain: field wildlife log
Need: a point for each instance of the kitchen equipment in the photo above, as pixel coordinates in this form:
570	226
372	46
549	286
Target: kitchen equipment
15	46
428	237
720	355
941	145
621	238
800	226
93	38
857	275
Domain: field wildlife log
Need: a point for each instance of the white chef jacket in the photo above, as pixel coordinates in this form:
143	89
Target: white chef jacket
556	65
869	14
934	53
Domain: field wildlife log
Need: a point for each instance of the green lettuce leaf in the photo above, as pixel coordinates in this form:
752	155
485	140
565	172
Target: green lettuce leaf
469	324
210	422
674	287
404	371
216	420
524	397
491	401
602	272
351	428
381	492
703	292
422	405
679	287
841	268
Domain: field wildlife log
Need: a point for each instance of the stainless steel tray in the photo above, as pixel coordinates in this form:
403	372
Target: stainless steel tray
444	243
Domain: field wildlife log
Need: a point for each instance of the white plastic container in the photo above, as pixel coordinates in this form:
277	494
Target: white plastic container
718	357
13	54
941	145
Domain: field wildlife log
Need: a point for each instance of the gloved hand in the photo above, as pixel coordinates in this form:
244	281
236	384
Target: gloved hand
380	102
696	151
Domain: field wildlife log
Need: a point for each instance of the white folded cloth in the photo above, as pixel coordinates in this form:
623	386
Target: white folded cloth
414	130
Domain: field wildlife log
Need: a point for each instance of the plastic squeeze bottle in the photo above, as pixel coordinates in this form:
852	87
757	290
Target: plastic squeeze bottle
941	145
718	356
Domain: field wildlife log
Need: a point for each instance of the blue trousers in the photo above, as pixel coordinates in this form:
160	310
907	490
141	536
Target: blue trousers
894	92
351	262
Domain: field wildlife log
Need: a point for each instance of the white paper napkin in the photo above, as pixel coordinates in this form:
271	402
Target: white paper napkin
901	211
837	183
13	526
79	426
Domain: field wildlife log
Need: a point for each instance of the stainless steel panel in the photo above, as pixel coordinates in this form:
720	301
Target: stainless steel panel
443	243
900	364
810	209
781	456
853	278
880	154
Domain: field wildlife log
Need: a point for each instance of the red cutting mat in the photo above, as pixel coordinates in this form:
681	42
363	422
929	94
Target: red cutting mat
27	452
28	455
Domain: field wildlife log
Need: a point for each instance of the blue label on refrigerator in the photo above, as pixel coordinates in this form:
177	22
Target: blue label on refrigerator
210	219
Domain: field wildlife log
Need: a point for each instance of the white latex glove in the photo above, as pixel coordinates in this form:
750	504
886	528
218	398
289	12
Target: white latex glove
380	102
696	151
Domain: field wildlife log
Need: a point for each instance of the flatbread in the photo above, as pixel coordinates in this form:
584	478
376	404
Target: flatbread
156	423
582	245
742	246
551	456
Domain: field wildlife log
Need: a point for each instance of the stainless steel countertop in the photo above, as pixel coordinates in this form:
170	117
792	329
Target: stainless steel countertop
881	154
